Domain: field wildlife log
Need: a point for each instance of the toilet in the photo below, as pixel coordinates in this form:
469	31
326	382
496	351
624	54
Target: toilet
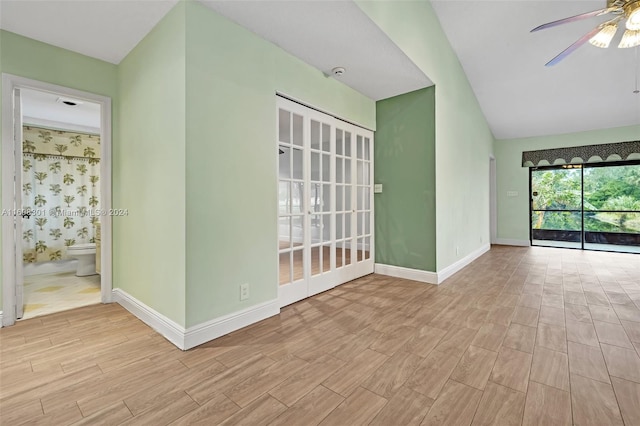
86	255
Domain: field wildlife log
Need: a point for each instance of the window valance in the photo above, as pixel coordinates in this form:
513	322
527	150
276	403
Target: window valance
582	154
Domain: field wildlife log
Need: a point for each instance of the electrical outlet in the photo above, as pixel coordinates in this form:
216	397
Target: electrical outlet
244	291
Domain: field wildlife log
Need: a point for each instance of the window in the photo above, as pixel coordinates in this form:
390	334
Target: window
587	206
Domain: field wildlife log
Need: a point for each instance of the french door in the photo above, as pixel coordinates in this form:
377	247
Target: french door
325	214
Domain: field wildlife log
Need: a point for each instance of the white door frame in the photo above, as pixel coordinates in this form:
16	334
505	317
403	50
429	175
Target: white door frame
12	251
16	98
493	200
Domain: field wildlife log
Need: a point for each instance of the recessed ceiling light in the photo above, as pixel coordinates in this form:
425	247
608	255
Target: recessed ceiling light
69	101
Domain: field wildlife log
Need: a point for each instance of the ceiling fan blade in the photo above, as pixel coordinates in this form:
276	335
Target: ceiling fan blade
569	50
575	18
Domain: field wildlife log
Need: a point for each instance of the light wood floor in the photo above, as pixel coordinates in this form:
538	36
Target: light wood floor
521	336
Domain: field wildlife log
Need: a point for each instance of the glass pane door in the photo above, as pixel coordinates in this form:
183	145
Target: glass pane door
612	208
321	205
556	207
291	201
325	235
363	198
344	212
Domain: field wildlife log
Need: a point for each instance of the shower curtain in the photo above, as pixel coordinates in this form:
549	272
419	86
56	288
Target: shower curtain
60	191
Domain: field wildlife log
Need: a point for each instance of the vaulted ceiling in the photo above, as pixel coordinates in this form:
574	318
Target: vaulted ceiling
591	89
520	97
325	34
103	29
328	34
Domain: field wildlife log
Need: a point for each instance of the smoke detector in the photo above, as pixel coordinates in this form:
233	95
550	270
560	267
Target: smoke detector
338	71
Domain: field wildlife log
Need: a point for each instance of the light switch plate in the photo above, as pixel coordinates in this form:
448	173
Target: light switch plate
377	188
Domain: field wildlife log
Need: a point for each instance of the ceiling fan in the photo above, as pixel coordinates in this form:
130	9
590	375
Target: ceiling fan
601	36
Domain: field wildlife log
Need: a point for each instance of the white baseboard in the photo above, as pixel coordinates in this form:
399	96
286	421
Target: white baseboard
202	333
406	273
55	267
1	323
428	276
510	242
171	330
198	334
455	267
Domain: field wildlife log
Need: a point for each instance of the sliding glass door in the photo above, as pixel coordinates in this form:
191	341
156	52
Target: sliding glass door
612	208
556	207
589	206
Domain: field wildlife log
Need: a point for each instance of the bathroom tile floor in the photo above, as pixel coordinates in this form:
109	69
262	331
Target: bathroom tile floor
49	293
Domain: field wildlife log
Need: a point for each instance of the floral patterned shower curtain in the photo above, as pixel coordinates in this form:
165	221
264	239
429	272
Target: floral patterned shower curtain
61	190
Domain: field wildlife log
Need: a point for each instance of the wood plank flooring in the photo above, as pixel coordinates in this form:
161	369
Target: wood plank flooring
531	336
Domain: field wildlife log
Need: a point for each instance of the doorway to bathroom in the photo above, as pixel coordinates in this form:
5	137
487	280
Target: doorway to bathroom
56	196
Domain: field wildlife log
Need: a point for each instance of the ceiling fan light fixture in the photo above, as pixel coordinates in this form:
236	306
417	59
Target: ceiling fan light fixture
630	39
632	11
604	37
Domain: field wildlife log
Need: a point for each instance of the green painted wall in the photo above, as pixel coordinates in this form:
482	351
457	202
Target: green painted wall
231	219
149	170
513	212
405	221
39	61
463	139
193	154
195	164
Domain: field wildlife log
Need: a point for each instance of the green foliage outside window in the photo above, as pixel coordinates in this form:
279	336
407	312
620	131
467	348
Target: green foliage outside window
605	188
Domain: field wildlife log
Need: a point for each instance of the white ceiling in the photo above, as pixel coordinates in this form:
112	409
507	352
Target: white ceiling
42	108
103	29
325	34
328	34
520	97
591	89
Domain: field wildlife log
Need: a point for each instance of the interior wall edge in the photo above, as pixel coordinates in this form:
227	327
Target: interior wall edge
428	277
168	328
187	338
457	266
